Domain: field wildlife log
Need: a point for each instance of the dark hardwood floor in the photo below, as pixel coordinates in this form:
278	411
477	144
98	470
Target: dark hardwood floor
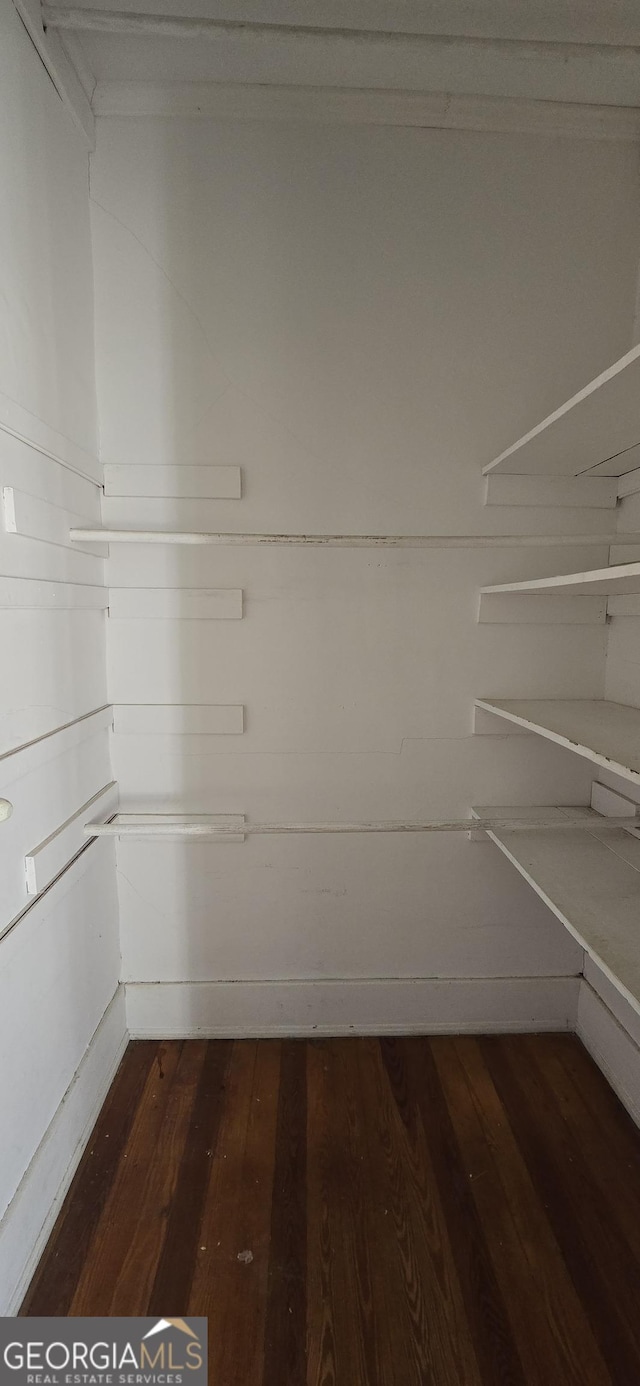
362	1212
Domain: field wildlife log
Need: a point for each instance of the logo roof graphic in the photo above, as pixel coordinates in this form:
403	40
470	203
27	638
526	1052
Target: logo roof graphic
180	1324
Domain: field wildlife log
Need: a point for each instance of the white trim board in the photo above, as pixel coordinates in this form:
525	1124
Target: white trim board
30	1216
57	851
552	492
618	578
349	1006
29	429
597	426
624	606
611	1047
507	608
178	719
610	803
365	106
606	733
175	603
200	483
591	882
34	518
629	484
30	594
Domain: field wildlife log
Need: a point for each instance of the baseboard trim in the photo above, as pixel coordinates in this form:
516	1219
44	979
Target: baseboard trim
248	1009
611	1047
29	1218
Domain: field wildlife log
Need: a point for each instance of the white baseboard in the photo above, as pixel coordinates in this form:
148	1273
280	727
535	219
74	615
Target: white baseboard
29	1218
610	1045
170	1010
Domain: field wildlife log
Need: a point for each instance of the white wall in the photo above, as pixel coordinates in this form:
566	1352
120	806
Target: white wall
359	318
59	960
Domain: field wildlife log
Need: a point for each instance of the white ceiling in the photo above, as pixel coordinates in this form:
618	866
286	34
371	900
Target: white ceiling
576	51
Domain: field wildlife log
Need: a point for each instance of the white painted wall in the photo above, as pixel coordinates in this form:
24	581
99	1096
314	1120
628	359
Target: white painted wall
359	318
59	961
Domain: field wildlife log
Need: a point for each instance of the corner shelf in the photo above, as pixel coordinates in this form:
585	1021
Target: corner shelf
598	428
591	882
608	734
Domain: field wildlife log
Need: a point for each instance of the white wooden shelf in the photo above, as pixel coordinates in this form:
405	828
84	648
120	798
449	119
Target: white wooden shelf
618	579
606	733
34	518
215	827
597	428
552	492
50	857
225	827
591	881
540	609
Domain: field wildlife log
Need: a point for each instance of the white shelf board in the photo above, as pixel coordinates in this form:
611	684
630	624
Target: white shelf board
621	578
608	734
597	425
541	609
624	606
591	881
50	857
629	484
34	518
200	826
552	492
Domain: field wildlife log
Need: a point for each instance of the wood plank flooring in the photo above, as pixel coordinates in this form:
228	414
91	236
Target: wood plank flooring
363	1212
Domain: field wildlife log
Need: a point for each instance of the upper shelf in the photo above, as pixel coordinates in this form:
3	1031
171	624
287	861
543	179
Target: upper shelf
618	579
591	881
596	431
606	733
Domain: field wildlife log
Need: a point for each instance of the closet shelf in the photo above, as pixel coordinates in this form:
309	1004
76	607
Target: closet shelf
620	578
349	541
603	732
591	881
234	826
598	428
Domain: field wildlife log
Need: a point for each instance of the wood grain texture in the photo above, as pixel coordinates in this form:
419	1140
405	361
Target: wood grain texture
362	1212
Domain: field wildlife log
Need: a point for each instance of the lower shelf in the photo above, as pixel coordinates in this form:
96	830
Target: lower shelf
606	733
591	881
